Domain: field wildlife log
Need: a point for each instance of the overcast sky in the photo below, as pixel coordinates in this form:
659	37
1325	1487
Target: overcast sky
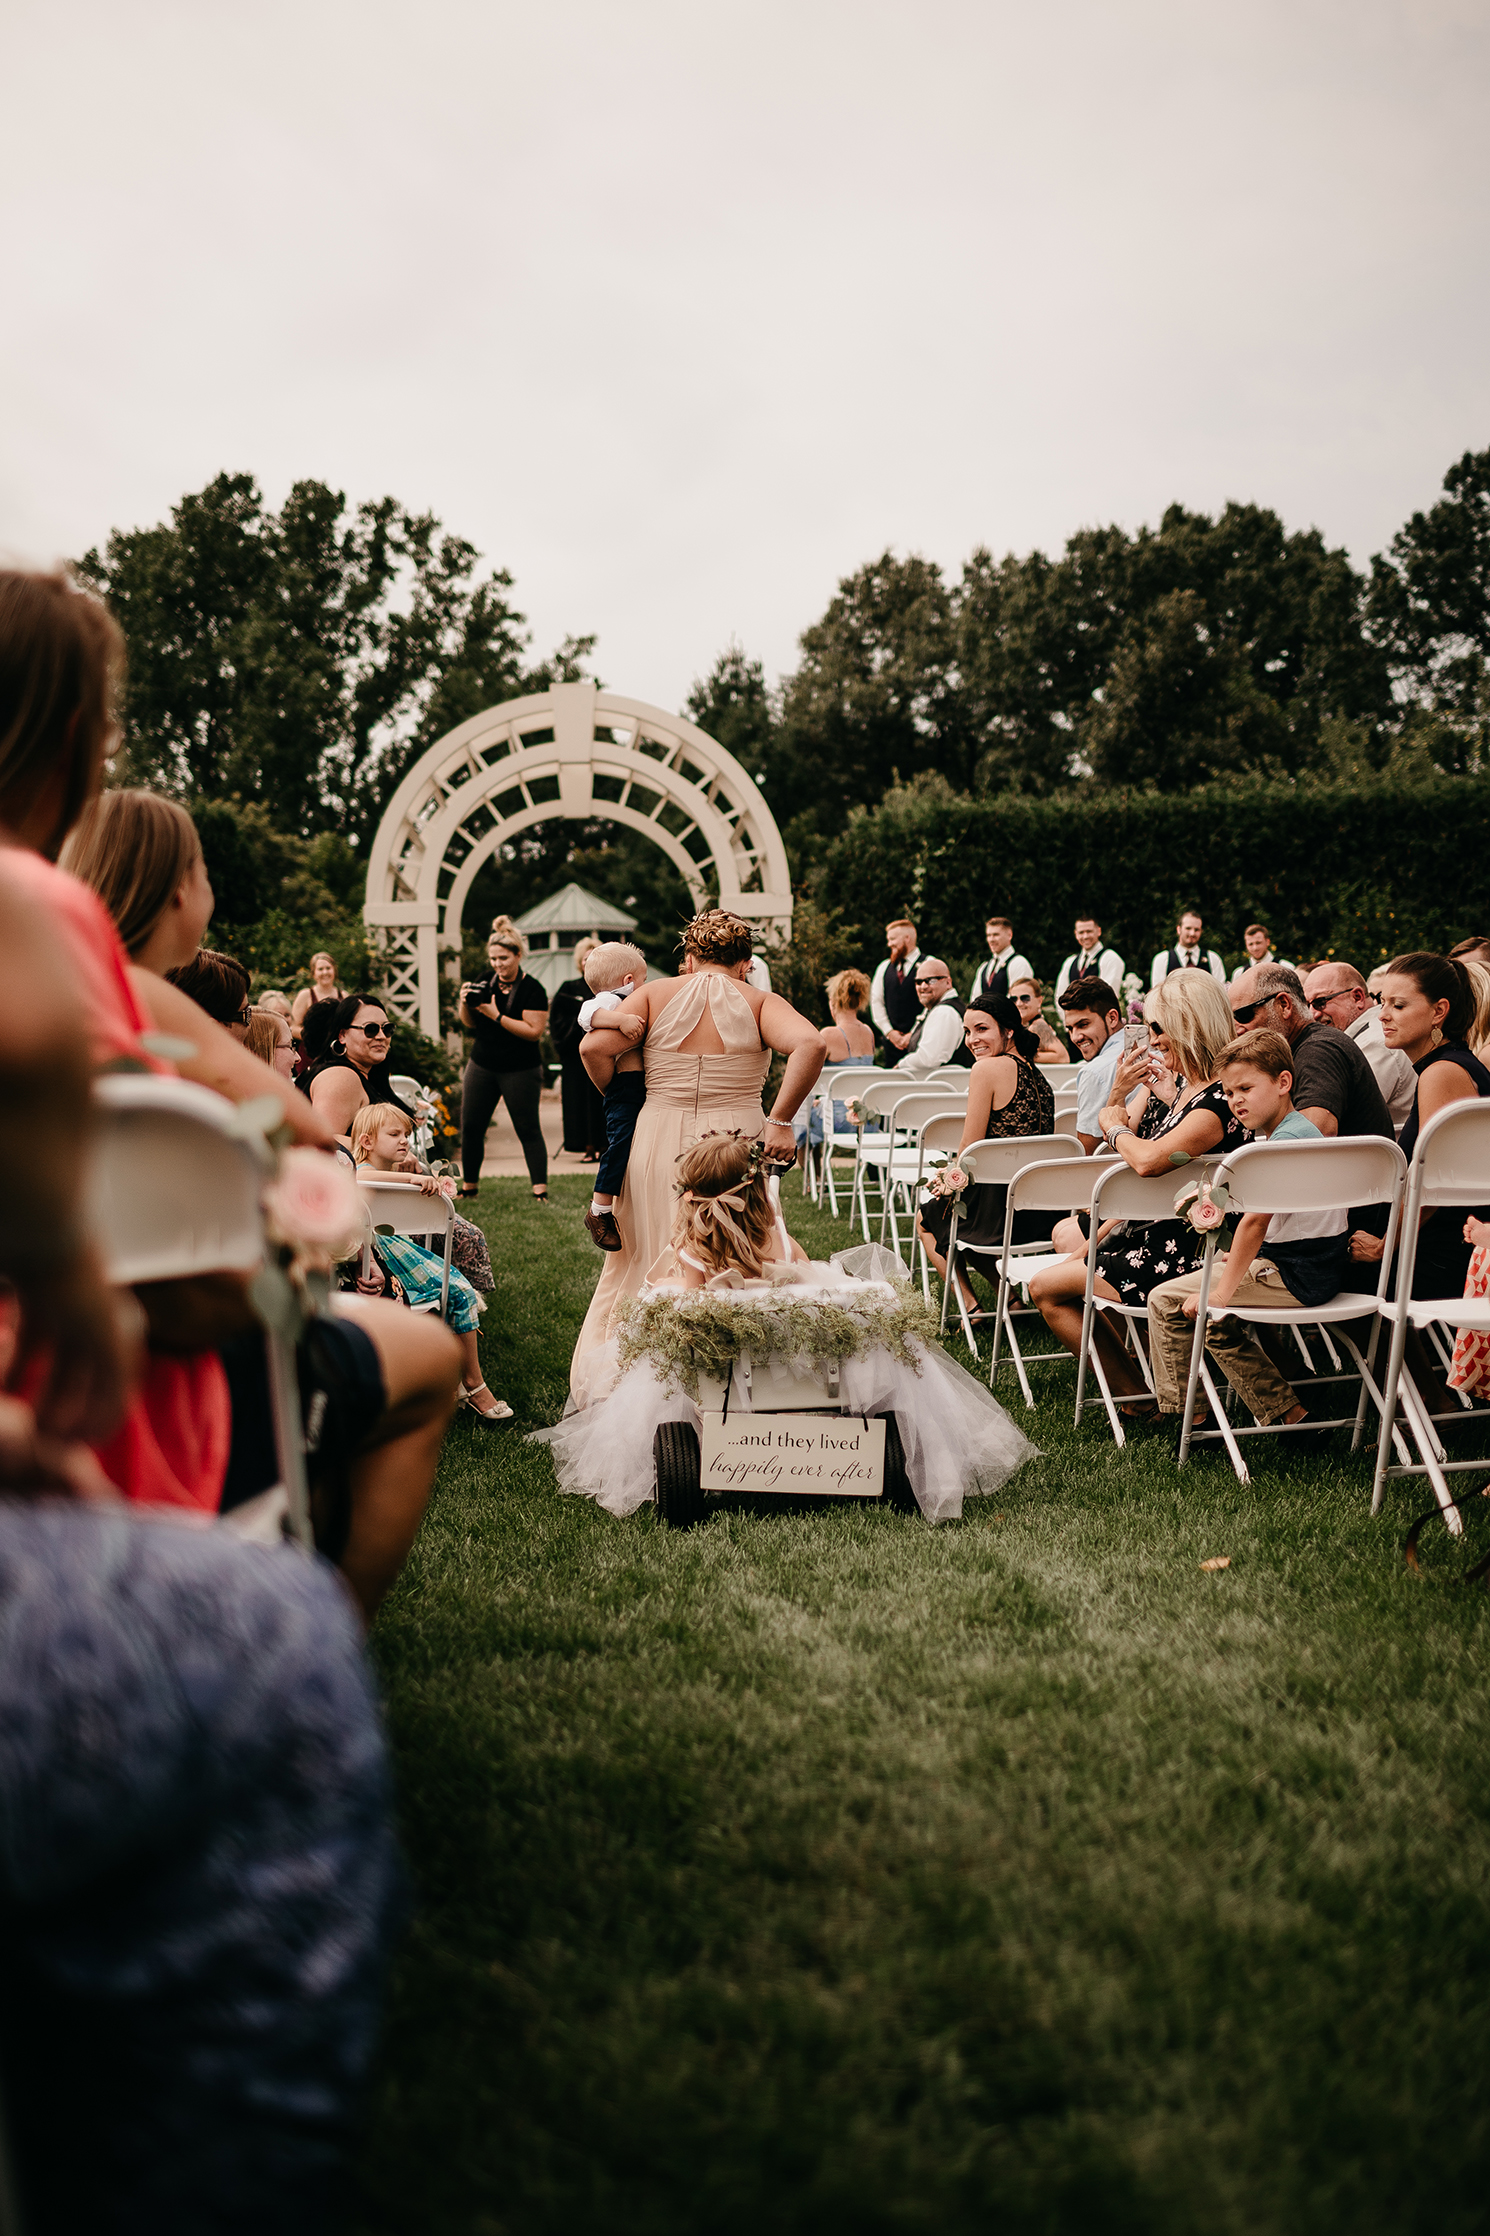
681	312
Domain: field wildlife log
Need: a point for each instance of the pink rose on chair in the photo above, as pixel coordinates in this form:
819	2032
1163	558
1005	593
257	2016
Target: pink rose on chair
313	1205
448	1187
1203	1205
950	1181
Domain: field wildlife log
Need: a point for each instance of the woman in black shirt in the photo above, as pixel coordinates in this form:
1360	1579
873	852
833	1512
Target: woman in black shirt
505	1014
584	1122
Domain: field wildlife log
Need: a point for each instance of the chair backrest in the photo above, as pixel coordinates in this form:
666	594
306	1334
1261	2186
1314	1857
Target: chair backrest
1060	1075
1001	1160
1122	1193
948	1075
913	1110
1313	1175
942	1134
1058	1184
391	1203
171	1190
1065	1121
845	1083
1451	1162
1065	1097
878	1097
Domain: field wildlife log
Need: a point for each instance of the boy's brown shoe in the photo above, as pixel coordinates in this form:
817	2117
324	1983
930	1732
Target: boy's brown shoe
604	1232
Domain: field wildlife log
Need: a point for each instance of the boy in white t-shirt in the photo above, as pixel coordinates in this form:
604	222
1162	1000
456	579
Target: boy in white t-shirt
612	971
1278	1259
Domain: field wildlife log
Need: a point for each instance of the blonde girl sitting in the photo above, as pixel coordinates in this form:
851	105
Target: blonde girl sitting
728	1221
380	1145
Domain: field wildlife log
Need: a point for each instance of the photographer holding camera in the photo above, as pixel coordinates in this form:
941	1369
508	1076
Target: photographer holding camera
506	1014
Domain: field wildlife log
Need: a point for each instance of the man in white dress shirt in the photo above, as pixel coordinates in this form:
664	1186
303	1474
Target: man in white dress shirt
892	990
1258	941
938	1037
1003	966
1336	994
1092	1014
1091	960
1187	952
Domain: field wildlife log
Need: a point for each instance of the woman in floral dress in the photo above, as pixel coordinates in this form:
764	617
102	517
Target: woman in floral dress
1192	1021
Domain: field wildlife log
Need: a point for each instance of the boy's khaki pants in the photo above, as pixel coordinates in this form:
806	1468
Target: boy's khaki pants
1251	1373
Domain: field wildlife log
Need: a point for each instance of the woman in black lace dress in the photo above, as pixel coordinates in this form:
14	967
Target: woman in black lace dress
1192	1023
1006	1096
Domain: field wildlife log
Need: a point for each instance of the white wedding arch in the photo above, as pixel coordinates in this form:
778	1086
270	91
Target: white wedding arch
574	751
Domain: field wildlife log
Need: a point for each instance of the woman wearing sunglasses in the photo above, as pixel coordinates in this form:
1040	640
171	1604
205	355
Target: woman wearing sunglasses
354	1070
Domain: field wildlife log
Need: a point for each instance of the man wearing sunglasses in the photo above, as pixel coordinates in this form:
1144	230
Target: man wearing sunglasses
937	1040
1336	994
1333	1084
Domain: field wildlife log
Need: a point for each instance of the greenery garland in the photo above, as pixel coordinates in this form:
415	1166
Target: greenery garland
704	1334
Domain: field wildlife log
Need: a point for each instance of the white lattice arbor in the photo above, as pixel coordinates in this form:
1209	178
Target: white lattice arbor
577	752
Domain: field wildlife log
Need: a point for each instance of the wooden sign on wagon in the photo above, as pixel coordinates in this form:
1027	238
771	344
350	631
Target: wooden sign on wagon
838	1455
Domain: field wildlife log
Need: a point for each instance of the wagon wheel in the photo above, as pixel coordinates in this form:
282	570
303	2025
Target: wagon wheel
675	1449
898	1492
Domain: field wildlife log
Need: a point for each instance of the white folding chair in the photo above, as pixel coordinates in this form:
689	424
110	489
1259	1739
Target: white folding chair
948	1075
396	1208
1121	1193
902	1175
1450	1166
875	1148
172	1190
842	1085
1063	1183
1280	1176
998	1161
940	1139
1060	1075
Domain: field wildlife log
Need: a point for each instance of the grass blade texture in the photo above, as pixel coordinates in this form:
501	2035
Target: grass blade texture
819	1873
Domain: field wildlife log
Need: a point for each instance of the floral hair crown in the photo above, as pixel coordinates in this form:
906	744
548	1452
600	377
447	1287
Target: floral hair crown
755	1157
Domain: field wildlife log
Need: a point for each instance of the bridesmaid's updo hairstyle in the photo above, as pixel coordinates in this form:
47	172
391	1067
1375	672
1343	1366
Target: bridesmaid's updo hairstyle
1440	978
1004	1012
718	937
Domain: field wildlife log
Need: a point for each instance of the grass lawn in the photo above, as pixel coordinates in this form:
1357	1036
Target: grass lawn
835	1873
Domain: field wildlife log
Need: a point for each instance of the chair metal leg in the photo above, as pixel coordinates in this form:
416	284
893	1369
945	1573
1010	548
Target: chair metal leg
1197	1350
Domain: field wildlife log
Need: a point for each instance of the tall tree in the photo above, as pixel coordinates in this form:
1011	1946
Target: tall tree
1430	611
875	695
733	704
301	659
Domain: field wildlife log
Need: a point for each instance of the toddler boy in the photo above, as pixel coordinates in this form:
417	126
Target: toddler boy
611	972
1306	1257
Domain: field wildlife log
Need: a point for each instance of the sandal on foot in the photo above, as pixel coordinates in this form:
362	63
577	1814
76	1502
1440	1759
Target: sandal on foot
463	1194
500	1414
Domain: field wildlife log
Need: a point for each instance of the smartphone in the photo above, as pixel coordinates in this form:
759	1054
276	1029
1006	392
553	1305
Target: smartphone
1135	1039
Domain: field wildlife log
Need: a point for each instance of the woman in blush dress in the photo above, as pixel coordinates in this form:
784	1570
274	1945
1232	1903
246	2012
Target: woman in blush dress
709	1038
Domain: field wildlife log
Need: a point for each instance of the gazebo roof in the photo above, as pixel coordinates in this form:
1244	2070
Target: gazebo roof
572	909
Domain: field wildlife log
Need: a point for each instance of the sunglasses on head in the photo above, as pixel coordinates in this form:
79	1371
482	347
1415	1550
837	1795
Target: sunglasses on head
375	1032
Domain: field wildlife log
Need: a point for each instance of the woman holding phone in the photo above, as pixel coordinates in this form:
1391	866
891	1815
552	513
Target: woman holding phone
1166	1107
505	1013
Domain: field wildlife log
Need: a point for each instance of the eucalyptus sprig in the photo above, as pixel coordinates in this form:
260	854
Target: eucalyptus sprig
704	1334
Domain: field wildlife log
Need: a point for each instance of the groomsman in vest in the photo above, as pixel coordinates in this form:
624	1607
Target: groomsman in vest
894	1003
1187	952
1091	959
1003	966
1258	941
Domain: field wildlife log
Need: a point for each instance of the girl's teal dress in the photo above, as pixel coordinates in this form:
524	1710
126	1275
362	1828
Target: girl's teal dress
418	1273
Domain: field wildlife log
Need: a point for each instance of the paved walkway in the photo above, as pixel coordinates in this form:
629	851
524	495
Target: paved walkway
504	1157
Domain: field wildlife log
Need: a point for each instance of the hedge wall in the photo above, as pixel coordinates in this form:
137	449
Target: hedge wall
1362	870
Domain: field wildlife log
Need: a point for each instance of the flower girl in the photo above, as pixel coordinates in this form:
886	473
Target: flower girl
380	1141
734	1290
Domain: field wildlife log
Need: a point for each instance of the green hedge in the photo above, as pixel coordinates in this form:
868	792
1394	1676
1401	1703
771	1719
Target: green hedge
1363	870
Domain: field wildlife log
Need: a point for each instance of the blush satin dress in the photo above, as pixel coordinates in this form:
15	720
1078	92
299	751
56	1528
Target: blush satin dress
687	1095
